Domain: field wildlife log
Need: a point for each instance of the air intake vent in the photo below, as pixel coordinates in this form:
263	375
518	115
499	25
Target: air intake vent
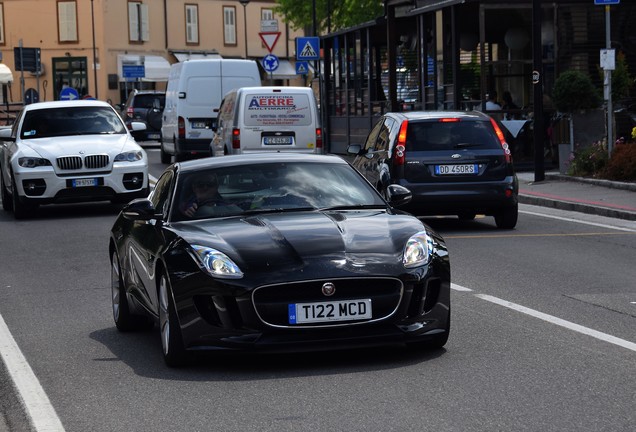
96	161
69	162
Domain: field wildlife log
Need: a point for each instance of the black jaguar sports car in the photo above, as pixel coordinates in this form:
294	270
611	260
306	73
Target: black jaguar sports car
277	252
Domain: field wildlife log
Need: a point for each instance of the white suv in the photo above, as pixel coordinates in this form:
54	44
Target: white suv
69	151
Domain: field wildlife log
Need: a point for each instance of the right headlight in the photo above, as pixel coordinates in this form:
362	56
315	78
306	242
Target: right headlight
33	162
217	263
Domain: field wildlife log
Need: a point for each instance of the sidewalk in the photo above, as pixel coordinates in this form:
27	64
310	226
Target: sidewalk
600	197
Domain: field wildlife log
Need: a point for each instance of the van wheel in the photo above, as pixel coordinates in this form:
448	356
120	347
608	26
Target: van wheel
165	157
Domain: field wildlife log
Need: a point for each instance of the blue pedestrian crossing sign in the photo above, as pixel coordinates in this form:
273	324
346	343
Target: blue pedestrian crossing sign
302	68
307	48
270	62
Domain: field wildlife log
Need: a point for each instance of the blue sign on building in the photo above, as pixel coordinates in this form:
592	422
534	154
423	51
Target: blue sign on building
133	71
606	2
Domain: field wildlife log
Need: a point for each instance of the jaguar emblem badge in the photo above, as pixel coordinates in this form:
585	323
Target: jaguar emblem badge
328	289
456	156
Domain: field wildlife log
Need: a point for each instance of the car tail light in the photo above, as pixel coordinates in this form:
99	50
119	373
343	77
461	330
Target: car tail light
181	127
399	153
130	112
502	140
236	138
319	138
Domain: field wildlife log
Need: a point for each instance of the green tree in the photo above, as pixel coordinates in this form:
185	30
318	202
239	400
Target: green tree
335	14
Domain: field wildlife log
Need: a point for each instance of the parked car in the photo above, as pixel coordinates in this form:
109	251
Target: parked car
69	151
144	106
287	252
454	163
268	119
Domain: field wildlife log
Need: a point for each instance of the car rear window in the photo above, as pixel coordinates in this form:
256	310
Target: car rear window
147	101
439	135
286	109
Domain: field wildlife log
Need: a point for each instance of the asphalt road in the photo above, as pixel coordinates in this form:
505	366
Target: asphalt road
543	338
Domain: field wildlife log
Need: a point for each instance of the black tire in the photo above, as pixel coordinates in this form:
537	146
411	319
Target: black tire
7	201
172	348
124	320
507	218
20	210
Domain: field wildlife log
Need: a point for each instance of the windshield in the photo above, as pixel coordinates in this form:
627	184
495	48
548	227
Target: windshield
75	120
271	187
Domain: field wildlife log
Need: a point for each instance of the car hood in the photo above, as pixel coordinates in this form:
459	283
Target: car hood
343	239
79	144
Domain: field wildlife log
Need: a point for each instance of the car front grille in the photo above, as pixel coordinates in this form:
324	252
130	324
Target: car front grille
272	302
76	162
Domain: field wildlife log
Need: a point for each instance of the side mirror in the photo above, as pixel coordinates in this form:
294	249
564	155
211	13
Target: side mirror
354	149
5	134
138	126
398	195
141	209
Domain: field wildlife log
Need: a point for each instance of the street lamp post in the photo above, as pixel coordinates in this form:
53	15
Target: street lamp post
244	3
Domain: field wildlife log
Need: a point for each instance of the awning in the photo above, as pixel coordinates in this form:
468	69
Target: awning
6	76
183	56
285	70
155	68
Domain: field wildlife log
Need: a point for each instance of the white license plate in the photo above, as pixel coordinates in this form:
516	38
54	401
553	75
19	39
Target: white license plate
344	310
84	182
198	125
277	140
456	169
153	136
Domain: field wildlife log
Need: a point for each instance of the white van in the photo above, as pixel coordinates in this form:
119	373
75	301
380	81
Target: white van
193	96
257	119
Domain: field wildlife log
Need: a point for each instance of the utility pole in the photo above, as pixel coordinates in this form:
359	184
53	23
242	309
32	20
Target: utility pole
537	86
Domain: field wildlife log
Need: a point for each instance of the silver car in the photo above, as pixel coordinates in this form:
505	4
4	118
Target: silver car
69	151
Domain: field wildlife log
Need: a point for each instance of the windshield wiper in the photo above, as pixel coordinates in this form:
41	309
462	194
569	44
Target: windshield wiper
276	210
464	145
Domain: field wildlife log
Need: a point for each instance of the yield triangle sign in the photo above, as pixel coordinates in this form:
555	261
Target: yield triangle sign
269	39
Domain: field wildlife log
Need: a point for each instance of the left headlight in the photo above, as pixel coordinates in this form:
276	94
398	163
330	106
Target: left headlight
33	162
217	263
131	156
418	250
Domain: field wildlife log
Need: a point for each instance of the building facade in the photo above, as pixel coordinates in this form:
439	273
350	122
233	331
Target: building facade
105	48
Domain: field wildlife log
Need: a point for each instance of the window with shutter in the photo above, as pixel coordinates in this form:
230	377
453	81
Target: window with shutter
1	24
229	25
192	24
67	21
138	22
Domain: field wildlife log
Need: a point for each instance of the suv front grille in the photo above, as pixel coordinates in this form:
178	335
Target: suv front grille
76	163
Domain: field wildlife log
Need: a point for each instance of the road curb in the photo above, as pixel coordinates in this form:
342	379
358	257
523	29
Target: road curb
578	207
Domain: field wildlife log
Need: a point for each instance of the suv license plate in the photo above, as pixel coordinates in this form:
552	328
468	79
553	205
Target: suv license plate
456	169
344	310
84	182
198	125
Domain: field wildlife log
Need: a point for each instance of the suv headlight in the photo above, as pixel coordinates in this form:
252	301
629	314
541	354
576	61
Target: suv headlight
33	162
217	263
418	250
131	156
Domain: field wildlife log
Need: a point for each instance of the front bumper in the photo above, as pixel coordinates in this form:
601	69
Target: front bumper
43	185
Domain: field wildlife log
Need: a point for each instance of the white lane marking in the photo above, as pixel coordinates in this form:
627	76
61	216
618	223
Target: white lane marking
596	224
560	322
34	400
459	287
